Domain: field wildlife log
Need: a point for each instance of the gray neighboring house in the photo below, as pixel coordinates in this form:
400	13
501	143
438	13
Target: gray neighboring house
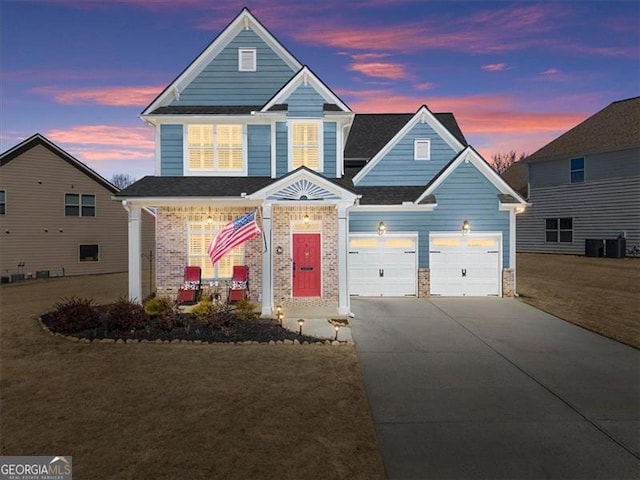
585	184
57	216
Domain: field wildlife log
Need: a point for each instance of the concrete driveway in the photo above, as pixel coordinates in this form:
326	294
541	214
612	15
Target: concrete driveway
491	388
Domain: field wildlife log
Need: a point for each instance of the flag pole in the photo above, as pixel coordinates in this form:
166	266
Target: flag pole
264	238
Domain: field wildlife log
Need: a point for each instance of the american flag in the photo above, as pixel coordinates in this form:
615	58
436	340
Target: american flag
233	234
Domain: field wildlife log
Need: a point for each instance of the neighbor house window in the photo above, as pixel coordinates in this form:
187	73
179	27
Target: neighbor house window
577	170
79	205
247	59
215	148
3	202
559	230
422	149
89	253
200	235
305	139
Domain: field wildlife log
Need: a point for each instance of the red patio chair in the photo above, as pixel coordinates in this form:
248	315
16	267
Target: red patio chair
189	292
239	284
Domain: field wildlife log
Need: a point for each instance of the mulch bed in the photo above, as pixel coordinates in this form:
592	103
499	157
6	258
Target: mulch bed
234	331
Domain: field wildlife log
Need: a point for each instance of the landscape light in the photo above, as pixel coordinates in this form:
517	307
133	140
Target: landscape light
300	324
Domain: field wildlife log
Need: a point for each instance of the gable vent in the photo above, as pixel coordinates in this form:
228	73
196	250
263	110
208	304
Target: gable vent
247	59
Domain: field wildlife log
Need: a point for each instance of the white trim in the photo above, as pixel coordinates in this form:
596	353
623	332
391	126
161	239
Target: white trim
305	77
396	208
243	21
512	247
254	59
188	201
274	150
423	115
470	155
248	119
320	124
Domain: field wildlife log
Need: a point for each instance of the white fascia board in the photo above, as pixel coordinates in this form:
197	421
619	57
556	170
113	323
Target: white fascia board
186	201
244	20
305	76
174	119
423	115
469	154
394	208
290	179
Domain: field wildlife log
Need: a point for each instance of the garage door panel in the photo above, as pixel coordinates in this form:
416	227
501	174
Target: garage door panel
465	266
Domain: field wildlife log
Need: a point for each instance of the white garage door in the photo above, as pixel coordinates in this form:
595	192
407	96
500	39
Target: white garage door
382	265
465	265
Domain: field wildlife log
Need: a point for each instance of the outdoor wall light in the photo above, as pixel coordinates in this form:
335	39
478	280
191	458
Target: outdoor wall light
300	324
209	220
382	228
466	227
306	219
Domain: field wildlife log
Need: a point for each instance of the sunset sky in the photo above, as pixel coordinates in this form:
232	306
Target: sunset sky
515	74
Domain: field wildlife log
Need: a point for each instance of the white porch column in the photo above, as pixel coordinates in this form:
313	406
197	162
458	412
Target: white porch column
135	252
267	262
344	305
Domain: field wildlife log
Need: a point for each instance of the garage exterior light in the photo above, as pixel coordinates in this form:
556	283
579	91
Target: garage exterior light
382	228
466	227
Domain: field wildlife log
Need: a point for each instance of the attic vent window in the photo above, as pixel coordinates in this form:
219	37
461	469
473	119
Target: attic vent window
422	149
247	59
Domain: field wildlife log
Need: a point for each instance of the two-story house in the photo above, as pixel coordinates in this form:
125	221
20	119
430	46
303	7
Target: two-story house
57	216
349	204
585	184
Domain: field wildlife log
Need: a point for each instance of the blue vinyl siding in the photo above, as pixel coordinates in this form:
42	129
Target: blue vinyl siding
220	82
329	150
306	102
171	150
282	149
399	168
259	150
465	195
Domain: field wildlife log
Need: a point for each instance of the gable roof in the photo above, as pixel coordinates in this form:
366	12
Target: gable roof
469	154
423	115
38	139
370	132
615	127
306	76
243	20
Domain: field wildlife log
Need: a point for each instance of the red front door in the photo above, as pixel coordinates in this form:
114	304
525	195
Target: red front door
306	265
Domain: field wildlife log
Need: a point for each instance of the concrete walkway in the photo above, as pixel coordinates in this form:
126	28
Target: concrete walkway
488	388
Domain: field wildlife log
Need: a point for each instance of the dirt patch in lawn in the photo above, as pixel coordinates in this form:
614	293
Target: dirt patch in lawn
177	411
600	294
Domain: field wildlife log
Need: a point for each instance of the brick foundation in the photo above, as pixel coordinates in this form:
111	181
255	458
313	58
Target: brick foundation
424	285
508	282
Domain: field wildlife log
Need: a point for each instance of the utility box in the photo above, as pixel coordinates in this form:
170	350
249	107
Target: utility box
616	248
594	247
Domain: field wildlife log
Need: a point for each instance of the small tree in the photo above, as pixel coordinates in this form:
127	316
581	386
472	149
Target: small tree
122	180
502	161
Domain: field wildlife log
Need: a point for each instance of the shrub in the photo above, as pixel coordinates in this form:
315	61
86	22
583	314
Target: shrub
159	307
74	315
125	315
246	310
204	311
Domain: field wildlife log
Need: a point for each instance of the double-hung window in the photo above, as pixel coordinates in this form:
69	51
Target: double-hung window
79	205
577	170
559	230
215	148
200	235
306	146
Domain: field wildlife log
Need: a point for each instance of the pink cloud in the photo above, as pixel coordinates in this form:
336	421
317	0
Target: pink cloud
138	96
424	86
495	67
393	71
106	136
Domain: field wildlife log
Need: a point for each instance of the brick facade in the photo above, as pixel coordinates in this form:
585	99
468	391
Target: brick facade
323	219
508	282
172	246
424	285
